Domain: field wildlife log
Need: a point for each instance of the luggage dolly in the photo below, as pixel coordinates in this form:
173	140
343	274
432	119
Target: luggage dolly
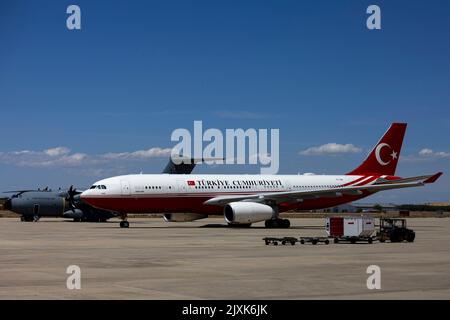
354	240
314	240
284	240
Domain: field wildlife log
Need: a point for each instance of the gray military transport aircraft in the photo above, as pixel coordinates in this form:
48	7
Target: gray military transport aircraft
34	204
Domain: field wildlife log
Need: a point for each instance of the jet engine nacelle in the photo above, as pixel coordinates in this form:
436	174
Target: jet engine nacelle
183	217
247	212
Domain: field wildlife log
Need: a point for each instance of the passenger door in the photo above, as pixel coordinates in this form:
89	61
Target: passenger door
125	188
288	185
181	185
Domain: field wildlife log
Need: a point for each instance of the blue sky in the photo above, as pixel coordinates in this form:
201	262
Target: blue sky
138	70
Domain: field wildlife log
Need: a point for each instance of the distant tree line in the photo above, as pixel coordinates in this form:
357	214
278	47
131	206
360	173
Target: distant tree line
423	207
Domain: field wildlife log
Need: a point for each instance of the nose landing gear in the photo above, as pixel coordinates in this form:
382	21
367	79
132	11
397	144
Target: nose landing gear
124	223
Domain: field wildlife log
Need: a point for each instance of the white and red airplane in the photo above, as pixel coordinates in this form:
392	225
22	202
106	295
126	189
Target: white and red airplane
247	199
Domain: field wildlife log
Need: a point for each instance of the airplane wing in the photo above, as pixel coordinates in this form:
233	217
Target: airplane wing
18	192
297	196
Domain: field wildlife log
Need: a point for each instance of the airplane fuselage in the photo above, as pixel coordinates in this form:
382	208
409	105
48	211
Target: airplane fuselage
247	199
167	193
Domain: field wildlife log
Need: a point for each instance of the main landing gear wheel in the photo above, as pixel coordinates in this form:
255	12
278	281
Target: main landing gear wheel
124	224
278	223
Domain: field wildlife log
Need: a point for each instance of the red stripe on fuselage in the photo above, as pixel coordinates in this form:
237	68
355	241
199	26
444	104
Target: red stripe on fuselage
367	181
185	204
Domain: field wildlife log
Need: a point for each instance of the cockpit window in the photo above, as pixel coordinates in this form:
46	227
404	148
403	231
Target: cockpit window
98	187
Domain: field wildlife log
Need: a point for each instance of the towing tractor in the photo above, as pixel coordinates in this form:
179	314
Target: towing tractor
395	230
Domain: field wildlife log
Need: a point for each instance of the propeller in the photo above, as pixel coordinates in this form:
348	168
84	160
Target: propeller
72	197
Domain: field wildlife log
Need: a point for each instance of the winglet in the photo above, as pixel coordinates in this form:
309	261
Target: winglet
433	178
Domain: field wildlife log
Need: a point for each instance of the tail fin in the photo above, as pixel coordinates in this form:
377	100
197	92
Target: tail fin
382	160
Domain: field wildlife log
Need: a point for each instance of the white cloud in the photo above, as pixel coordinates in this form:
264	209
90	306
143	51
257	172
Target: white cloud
58	151
140	154
73	159
46	158
246	159
22	152
433	154
425	155
330	149
62	157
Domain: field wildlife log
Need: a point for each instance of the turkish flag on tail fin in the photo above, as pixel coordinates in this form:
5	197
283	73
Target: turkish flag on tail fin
382	160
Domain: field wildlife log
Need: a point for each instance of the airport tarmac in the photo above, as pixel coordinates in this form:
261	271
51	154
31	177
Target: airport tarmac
205	260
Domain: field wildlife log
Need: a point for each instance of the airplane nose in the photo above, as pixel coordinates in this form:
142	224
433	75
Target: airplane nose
84	195
7	205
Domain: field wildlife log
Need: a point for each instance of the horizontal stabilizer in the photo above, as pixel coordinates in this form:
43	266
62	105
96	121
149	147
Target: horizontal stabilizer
185	165
433	178
425	179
